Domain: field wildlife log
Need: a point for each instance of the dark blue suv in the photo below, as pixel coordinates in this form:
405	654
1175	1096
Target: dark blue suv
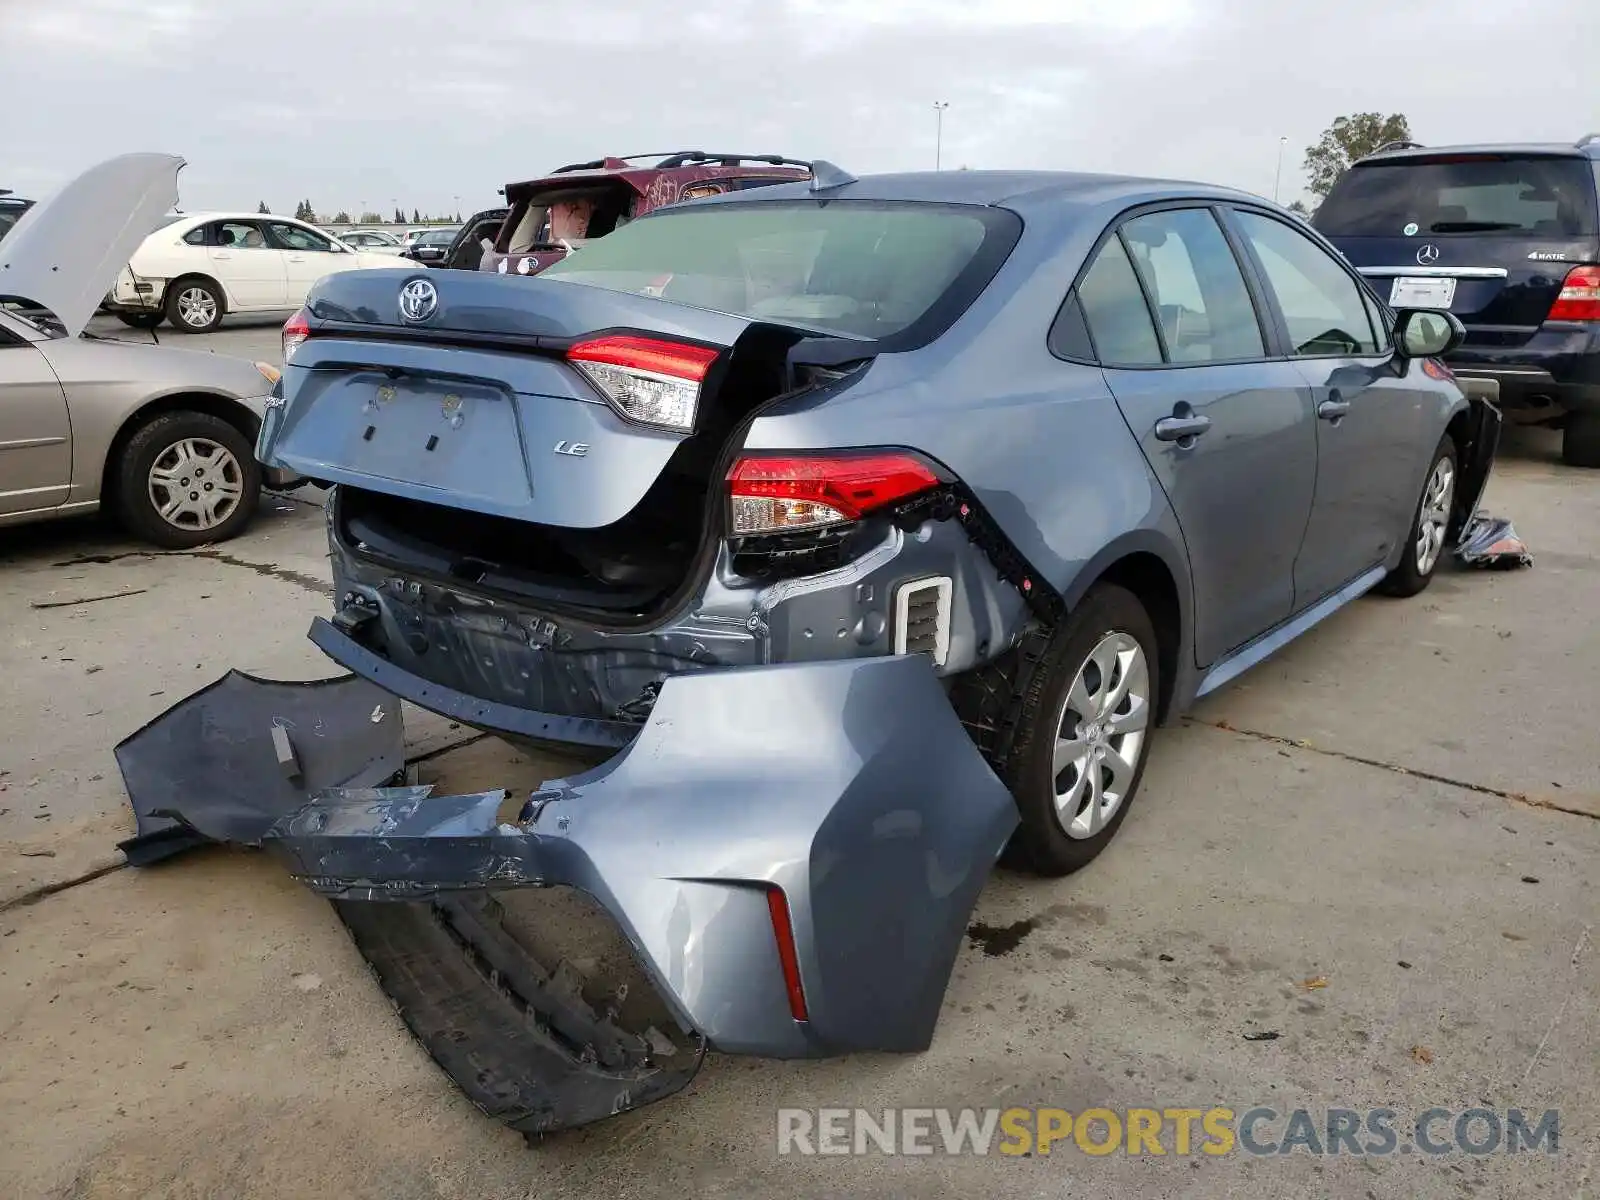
1507	237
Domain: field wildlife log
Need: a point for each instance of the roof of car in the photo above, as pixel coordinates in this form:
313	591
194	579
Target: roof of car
1588	147
1009	189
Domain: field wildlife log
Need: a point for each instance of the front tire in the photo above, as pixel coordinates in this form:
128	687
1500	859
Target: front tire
1430	525
1083	732
186	479
195	305
143	320
1580	440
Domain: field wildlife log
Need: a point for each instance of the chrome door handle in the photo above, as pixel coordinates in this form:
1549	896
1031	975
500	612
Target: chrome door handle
1332	410
1177	429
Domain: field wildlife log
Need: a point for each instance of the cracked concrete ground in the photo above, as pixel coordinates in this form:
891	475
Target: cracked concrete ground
1405	804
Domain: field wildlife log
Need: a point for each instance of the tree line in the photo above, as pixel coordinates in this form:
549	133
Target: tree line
306	211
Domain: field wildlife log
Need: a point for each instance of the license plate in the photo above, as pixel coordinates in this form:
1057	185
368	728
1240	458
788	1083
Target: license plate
1413	292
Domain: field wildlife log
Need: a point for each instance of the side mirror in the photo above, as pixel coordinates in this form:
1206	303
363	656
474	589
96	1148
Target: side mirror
1427	332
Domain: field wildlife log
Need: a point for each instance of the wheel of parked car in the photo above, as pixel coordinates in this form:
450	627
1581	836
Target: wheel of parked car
185	479
1580	440
1084	725
1425	544
194	305
141	320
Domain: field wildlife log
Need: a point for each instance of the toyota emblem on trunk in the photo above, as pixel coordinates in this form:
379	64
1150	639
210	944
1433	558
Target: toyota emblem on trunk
419	299
1428	254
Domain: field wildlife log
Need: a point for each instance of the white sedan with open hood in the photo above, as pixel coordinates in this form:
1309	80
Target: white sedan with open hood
195	268
162	437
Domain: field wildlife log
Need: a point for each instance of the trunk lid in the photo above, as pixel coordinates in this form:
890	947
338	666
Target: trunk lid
1490	236
474	405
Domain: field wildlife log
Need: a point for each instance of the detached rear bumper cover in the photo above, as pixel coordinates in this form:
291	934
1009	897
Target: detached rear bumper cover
851	786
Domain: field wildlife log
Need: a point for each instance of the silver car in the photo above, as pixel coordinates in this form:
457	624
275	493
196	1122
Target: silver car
163	438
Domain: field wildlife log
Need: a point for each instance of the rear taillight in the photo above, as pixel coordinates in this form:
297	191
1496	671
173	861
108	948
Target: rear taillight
1580	296
778	494
649	380
295	330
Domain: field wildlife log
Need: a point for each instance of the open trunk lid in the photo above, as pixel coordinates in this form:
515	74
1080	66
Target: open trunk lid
532	399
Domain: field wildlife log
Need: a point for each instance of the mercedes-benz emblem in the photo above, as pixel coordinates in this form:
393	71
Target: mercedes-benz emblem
419	300
1428	254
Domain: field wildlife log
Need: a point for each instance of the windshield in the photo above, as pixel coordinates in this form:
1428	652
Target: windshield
10	213
1537	197
862	269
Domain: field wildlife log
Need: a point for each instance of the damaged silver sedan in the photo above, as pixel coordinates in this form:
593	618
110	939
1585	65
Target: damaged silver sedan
852	531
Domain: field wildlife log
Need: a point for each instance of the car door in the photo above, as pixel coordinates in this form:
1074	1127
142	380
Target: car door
307	256
1175	324
1369	418
247	267
35	433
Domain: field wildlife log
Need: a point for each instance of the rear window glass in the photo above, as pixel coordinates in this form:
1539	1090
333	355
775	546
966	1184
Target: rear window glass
859	269
1538	197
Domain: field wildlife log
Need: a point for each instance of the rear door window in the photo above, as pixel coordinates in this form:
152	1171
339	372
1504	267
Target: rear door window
1193	279
1325	309
1469	195
1115	310
238	235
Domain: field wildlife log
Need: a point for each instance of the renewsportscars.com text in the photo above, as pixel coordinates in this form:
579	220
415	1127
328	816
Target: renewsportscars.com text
1216	1131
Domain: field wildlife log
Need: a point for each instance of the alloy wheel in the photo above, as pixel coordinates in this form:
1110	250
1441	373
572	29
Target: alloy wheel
1100	735
1434	519
196	484
197	308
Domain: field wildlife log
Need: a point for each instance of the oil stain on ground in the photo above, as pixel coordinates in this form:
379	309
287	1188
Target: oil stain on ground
996	940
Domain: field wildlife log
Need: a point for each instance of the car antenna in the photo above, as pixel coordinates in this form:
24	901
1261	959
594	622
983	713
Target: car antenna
825	175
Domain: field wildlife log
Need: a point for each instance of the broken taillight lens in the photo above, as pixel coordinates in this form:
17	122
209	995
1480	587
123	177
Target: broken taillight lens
777	494
295	330
649	380
1580	296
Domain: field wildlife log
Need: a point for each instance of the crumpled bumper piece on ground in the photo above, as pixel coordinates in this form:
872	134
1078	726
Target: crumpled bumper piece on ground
1491	543
1483	540
518	1038
849	786
234	757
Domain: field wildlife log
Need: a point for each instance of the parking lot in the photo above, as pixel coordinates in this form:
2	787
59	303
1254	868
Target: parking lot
1361	876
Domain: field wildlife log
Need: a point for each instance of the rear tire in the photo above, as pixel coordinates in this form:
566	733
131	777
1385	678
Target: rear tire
1580	442
1083	725
1435	507
198	470
195	305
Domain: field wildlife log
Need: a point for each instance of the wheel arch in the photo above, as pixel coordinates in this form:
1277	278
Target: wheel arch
178	281
1147	564
212	403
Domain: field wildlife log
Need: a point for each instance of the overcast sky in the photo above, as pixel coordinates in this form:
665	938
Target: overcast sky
354	101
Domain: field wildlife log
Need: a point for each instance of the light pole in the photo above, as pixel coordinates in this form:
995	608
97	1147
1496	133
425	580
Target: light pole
938	130
1277	178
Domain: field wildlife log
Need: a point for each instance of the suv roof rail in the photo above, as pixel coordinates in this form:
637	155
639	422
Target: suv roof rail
681	158
685	158
1398	144
1588	139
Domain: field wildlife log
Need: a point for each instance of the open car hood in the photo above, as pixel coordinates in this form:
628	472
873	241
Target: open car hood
65	252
